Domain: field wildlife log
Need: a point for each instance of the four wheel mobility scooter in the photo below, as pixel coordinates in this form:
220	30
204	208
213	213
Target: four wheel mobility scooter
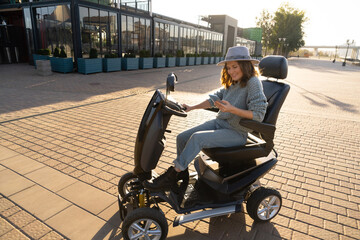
225	178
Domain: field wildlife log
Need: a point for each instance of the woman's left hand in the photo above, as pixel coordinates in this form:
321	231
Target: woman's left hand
224	106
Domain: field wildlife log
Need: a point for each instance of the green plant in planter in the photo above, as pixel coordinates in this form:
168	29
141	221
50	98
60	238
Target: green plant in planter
44	52
56	52
111	62
130	54
205	57
129	61
111	55
159	60
157	55
145	61
190	59
197	59
91	65
180	53
170	60
93	53
63	53
180	58
60	62
144	53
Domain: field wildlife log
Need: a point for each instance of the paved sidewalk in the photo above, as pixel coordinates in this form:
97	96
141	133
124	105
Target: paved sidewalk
66	139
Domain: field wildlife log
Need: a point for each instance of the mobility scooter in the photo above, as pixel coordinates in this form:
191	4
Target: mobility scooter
225	178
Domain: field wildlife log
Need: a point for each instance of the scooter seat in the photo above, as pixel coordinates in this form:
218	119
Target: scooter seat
208	172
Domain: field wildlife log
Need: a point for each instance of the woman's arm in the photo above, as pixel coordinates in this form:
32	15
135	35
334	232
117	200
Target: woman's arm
203	105
225	106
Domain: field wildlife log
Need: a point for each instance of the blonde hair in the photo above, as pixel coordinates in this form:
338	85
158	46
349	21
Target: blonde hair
247	69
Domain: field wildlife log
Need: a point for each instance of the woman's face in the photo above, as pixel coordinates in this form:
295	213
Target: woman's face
234	70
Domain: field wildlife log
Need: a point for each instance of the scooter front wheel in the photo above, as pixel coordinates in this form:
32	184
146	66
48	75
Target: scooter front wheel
145	223
126	182
264	204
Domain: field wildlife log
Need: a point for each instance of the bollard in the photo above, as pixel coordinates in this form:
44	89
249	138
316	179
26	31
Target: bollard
43	67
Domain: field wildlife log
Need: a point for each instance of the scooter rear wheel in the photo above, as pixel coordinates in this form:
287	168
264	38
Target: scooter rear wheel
145	223
264	204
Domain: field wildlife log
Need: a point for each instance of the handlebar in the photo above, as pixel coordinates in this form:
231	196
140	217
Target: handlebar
174	108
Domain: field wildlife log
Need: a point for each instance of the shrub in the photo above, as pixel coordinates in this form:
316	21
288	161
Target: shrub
158	55
180	53
44	51
56	52
111	55
204	54
93	53
130	54
63	53
144	53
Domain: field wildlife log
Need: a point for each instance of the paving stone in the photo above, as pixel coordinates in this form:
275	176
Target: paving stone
80	224
14	234
6	153
88	197
11	183
22	164
4	226
40	202
51	178
36	230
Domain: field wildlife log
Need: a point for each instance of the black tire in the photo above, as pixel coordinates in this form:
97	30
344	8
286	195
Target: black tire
145	221
124	183
264	204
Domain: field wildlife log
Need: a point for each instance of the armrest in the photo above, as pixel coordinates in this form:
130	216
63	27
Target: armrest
267	130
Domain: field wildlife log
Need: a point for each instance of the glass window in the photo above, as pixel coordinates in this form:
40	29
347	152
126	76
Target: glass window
157	37
105	43
148	34
94	29
53	25
123	34
28	30
130	33
113	32
85	31
136	35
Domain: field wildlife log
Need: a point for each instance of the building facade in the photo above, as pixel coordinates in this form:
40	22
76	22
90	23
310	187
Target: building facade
109	26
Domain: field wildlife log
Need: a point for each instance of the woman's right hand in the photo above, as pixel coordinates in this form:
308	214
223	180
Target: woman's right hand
186	107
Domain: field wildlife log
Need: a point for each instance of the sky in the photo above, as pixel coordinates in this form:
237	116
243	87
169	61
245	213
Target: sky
329	22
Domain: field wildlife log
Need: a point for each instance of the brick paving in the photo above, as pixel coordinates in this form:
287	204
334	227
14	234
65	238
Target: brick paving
81	129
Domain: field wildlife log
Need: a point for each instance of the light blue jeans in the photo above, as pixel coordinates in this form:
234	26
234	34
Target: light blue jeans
207	135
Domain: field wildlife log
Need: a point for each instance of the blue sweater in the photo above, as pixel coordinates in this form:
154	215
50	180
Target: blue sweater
251	97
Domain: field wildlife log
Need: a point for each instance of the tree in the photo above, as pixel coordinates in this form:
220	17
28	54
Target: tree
288	29
266	23
283	31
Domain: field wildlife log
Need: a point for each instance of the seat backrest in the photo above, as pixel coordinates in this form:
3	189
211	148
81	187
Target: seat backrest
275	92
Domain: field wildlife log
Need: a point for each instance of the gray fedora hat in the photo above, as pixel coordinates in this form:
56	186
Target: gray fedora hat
238	53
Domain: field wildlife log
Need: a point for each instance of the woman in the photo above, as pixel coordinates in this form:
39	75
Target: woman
242	96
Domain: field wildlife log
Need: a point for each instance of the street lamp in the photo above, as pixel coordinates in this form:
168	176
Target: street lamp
347	49
335	54
281	41
286	46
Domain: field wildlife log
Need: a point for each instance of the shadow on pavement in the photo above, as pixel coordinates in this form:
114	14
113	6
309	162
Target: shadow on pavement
111	230
21	88
330	100
322	65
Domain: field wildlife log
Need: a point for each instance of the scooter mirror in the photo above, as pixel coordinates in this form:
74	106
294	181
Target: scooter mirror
170	83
